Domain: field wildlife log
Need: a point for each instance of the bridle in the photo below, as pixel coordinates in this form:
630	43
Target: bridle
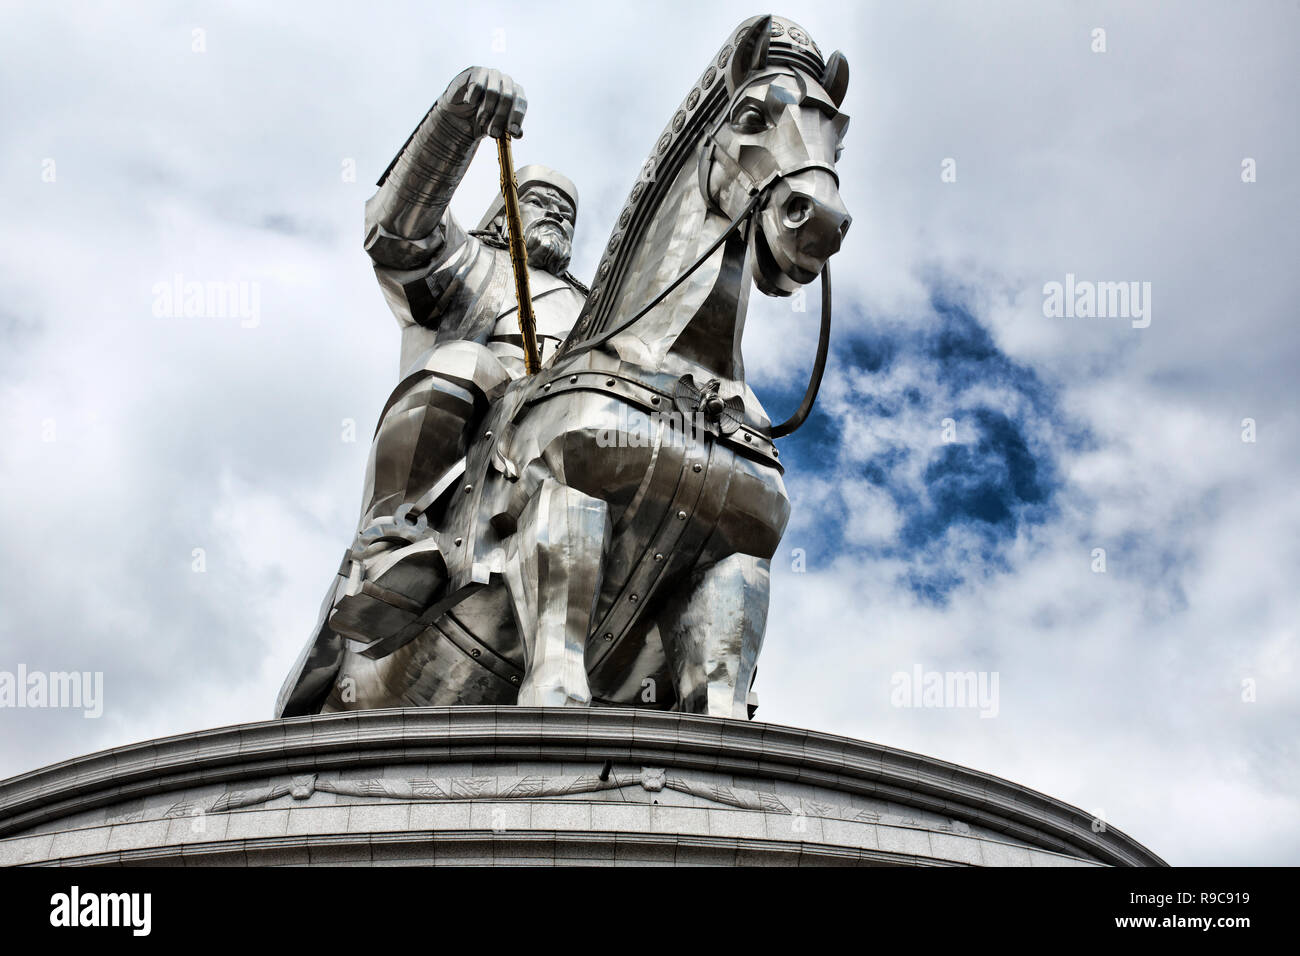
759	192
710	153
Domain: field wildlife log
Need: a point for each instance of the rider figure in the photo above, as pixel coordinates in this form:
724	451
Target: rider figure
453	294
446	285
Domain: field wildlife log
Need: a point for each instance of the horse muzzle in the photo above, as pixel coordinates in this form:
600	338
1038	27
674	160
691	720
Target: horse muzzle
802	224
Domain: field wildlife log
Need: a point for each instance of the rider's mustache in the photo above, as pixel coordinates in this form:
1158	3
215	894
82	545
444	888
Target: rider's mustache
547	221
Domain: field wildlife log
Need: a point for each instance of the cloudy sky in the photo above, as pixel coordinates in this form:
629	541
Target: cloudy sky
177	491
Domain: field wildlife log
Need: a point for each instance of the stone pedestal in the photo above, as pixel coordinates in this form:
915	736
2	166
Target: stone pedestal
510	785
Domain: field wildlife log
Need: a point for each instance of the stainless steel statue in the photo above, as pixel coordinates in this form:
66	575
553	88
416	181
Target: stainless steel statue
600	532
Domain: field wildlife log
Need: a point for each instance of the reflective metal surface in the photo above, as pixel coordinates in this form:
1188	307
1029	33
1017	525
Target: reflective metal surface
600	532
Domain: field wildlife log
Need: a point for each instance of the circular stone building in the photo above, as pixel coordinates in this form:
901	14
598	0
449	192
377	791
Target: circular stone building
511	785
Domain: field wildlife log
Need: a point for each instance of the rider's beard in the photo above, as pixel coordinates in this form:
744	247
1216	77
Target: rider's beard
548	247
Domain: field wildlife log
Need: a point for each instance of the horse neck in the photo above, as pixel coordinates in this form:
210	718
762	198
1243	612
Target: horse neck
697	329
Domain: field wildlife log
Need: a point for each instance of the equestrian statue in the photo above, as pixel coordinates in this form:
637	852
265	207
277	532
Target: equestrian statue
573	497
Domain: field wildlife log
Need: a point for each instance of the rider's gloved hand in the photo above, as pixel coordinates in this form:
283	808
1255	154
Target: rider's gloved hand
491	101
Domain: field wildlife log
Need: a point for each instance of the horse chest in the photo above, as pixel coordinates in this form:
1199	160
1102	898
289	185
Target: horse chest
677	495
678	503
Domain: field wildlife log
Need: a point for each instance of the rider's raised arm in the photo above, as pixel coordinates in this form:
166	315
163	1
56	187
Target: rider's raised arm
410	232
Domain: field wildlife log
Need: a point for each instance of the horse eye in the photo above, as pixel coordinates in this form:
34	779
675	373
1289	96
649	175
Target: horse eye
749	120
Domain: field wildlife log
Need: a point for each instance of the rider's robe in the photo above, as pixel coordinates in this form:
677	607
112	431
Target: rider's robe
449	287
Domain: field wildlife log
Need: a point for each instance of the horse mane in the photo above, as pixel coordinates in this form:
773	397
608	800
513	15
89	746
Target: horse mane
676	146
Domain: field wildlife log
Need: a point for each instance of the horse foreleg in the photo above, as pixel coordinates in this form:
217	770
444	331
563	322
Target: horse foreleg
553	573
712	632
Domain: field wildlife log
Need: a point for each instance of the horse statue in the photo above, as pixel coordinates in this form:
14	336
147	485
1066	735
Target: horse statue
606	539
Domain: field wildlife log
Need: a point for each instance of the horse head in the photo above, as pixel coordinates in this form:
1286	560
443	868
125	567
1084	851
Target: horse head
777	142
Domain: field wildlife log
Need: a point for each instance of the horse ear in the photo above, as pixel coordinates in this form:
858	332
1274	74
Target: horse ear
836	77
751	53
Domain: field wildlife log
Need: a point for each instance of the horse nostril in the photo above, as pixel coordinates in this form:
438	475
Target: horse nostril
797	211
